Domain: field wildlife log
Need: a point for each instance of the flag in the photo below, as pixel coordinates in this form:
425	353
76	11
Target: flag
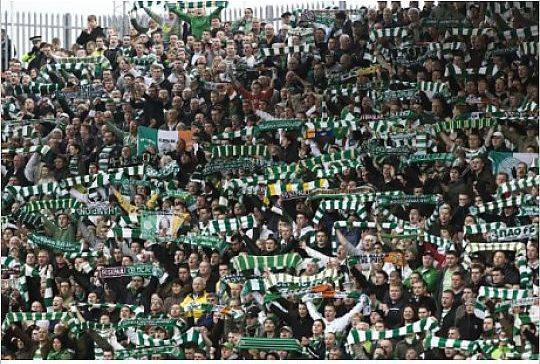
505	161
164	140
162	225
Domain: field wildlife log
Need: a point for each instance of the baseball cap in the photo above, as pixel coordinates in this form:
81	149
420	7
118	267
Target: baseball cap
228	345
287	328
498	134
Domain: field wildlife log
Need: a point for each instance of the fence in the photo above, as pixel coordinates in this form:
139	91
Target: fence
20	26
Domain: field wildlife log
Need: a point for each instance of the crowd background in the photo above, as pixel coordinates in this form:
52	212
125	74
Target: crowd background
353	185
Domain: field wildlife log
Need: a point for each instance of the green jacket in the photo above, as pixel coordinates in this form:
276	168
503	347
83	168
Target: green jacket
198	23
63	354
167	27
53	230
430	276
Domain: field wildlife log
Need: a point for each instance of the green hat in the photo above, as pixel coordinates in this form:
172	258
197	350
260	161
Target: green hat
228	345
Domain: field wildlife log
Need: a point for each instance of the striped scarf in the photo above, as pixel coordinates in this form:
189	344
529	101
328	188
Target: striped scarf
284	261
36	88
98	180
515	233
124	233
58	204
439	342
387	33
12	317
287	282
459	124
528	48
324	158
197	4
503	293
283	50
521	33
501	204
279	188
466	32
104	158
47	275
358	336
352	204
267	344
229	225
229	135
41	149
482	228
229	151
331	169
478	247
518	184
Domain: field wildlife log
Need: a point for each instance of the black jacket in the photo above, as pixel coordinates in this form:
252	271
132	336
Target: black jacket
85	37
447	322
470	327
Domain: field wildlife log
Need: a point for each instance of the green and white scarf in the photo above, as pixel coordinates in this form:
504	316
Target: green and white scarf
229	151
58	204
387	33
501	204
503	293
232	225
267	344
284	50
439	342
124	233
289	283
518	184
197	4
515	233
12	317
285	261
352	204
482	228
279	188
41	149
461	124
424	325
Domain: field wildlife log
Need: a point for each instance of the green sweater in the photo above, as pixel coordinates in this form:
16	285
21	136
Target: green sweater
66	234
198	23
430	276
63	354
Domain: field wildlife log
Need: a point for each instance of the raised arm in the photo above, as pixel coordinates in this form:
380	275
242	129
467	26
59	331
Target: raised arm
158	19
181	15
135	24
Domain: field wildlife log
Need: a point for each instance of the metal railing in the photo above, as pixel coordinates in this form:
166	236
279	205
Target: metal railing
20	26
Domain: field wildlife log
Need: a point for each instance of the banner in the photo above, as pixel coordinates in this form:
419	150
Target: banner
408	199
58	245
98	209
163	140
505	162
155	224
136	270
515	233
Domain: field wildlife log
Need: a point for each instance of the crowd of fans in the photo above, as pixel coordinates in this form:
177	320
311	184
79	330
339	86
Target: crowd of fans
349	93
